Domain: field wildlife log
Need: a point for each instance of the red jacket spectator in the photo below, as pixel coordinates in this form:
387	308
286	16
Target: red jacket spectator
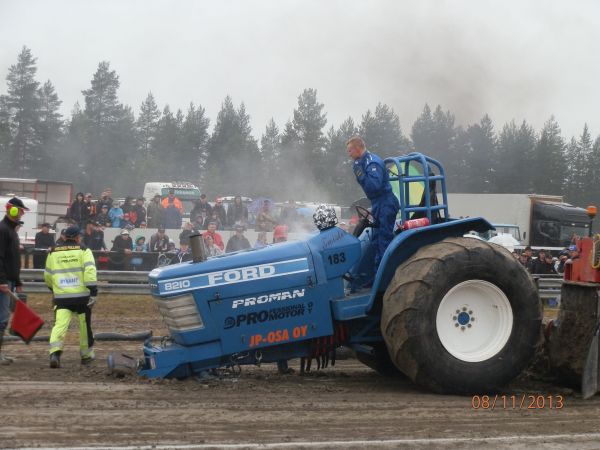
216	236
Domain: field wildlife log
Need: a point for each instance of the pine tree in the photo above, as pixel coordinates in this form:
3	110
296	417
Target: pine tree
549	160
480	160
147	126
578	163
233	161
435	135
342	184
303	146
192	152
382	132
270	147
109	133
271	156
22	104
122	139
308	124
49	130
422	131
168	137
572	160
585	145
5	136
516	145
309	121
72	151
145	161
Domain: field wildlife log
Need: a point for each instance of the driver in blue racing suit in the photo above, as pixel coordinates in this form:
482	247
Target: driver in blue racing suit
372	176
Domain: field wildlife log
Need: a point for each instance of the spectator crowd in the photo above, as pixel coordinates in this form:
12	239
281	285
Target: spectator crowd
128	247
544	263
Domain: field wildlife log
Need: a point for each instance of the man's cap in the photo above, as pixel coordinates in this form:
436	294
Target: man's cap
18	203
72	232
572	248
239	226
125	231
104	207
138	238
46	224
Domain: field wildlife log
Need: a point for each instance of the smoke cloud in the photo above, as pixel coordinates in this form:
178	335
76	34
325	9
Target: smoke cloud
511	59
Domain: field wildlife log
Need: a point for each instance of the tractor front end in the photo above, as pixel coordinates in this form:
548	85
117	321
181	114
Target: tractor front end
256	306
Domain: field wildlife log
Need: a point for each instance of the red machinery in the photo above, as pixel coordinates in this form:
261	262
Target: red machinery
586	267
574	344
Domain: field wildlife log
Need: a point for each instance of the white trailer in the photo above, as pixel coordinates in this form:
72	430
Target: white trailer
543	220
53	197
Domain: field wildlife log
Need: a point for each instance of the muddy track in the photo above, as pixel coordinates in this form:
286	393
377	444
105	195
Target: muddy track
84	406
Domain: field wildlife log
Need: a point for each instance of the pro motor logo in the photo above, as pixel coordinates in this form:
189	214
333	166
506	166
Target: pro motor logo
268	315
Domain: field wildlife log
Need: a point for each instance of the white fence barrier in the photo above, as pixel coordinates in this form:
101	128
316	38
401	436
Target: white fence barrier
136	283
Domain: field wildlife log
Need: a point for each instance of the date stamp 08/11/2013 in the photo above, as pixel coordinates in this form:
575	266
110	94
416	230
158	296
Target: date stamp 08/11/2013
517	402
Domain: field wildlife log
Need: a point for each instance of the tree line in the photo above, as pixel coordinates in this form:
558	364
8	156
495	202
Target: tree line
103	144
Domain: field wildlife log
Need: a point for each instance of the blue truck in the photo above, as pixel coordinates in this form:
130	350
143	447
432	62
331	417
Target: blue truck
454	314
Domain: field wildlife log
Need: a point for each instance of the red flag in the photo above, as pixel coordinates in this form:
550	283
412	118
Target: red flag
25	322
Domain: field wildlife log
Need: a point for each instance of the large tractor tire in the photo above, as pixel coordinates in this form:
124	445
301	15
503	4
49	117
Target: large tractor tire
462	316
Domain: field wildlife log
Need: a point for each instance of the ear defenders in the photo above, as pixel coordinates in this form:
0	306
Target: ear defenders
13	211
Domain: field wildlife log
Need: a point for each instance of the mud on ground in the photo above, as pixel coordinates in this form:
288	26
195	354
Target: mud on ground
84	406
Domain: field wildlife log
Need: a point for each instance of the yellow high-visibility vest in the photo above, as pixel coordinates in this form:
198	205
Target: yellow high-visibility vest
69	270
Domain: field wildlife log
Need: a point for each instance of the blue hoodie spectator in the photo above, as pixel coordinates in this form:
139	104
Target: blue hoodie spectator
115	215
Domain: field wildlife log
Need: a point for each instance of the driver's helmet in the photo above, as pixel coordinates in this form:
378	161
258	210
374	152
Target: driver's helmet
325	217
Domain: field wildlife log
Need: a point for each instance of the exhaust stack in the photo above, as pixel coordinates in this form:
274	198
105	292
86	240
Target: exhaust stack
198	249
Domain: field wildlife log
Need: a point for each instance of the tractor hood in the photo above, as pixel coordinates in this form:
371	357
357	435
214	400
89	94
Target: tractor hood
288	284
325	255
238	273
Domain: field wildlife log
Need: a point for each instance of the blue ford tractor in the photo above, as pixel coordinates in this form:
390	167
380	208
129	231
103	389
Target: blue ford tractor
455	314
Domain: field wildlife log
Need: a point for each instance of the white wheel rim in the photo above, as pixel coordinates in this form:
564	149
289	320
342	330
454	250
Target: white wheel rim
474	320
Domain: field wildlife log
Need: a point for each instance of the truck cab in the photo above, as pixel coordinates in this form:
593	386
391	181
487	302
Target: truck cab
556	224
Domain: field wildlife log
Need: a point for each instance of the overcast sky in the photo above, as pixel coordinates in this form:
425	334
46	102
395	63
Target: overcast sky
511	59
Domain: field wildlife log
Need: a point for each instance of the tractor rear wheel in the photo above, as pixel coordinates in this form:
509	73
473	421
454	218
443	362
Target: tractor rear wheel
461	316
